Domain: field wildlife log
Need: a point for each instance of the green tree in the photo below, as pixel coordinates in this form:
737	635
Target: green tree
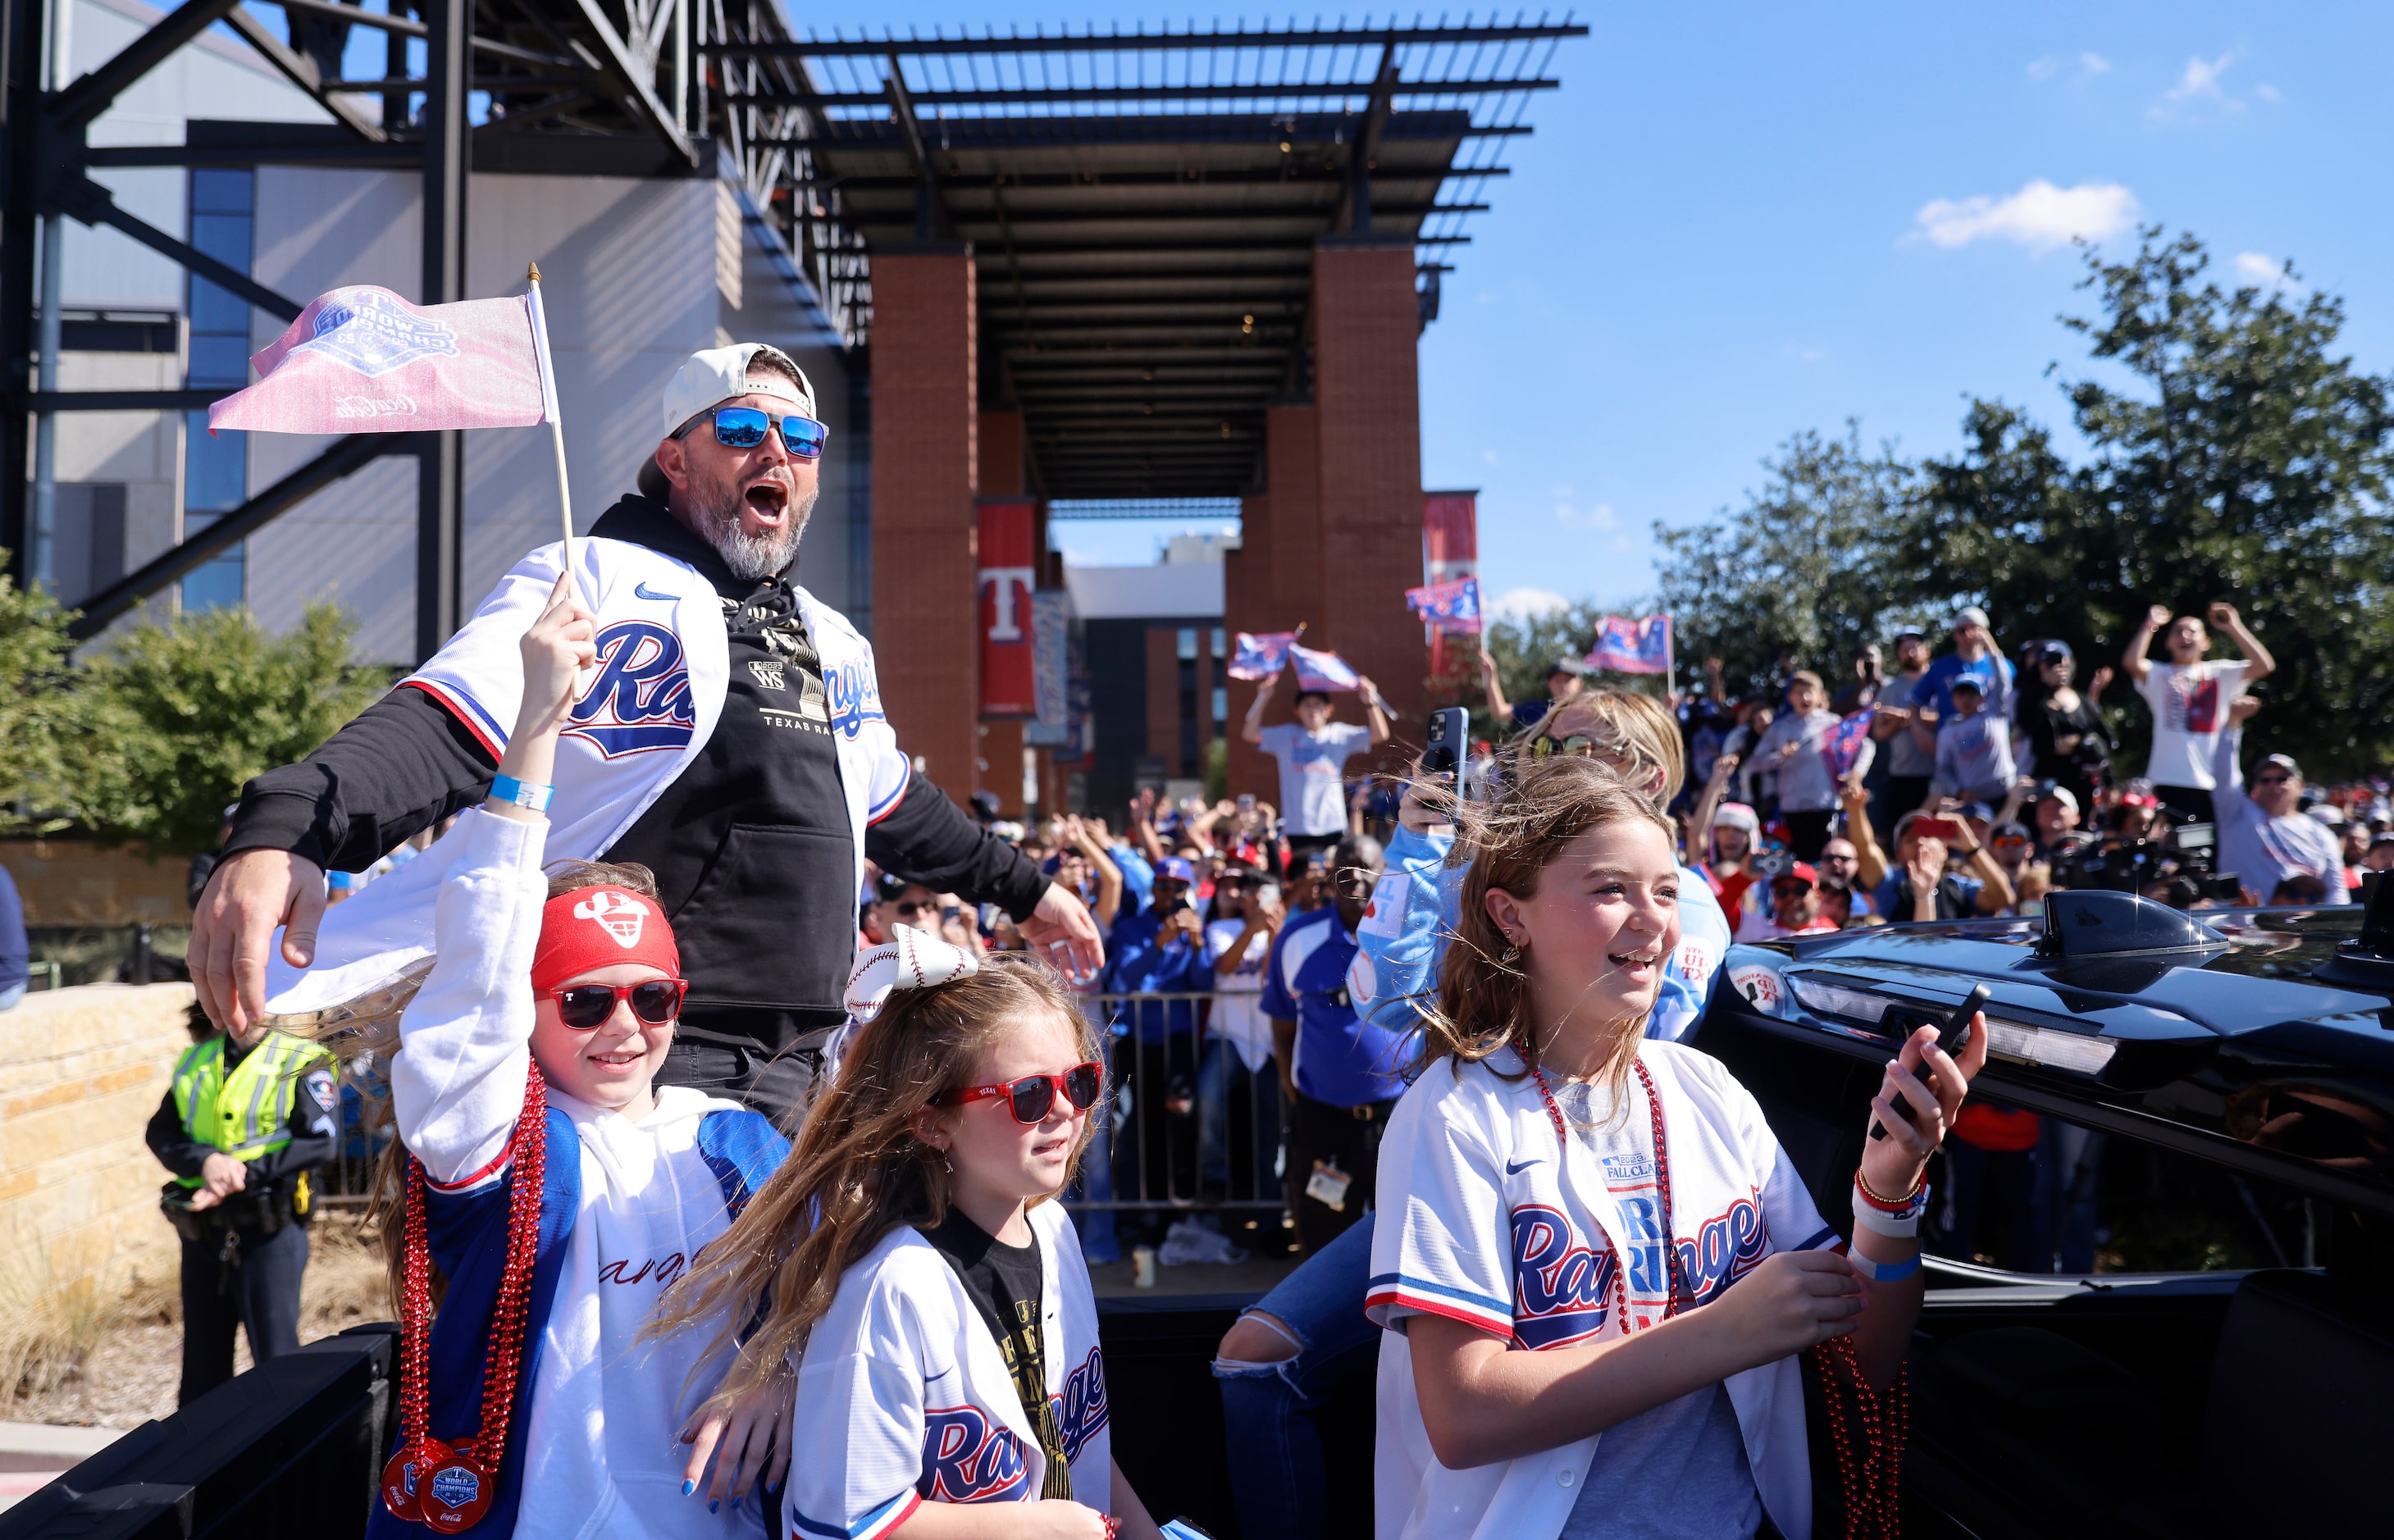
33	706
2248	461
174	716
1807	571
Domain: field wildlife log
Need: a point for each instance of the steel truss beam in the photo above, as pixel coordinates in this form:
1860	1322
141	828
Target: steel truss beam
1114	43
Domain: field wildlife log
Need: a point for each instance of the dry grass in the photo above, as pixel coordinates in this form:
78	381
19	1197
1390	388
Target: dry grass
68	1358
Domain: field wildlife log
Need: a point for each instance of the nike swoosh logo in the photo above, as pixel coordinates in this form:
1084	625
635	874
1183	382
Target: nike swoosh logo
640	591
1514	1168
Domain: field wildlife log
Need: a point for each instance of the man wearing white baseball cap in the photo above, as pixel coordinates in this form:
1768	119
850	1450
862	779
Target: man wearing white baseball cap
730	738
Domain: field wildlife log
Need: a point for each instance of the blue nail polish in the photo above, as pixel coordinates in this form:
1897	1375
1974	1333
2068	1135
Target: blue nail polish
713	1504
689	1487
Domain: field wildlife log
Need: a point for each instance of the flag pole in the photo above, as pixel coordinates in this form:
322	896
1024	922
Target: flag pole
1670	672
555	418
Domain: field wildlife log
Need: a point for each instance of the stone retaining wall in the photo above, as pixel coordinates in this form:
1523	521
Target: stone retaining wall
80	1072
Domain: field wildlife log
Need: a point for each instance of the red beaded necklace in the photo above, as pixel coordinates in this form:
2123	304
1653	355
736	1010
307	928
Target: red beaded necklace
448	1486
1662	1180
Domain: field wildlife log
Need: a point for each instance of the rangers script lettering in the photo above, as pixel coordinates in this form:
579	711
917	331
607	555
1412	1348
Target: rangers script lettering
969	1457
638	701
1081	1407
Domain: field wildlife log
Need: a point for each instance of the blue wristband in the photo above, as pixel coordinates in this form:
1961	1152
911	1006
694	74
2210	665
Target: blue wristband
524	794
1883	1272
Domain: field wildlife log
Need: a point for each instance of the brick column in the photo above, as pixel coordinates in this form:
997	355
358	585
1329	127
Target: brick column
1367	394
925	478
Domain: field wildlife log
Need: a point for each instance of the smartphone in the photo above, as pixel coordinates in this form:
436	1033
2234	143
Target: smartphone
1269	894
1932	827
1953	1038
1448	741
1246	802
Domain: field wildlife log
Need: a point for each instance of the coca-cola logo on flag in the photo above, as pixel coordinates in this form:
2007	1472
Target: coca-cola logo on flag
365	330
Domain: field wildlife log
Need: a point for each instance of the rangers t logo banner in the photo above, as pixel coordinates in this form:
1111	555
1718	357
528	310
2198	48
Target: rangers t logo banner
1260	657
361	359
1627	646
1448	606
1009	651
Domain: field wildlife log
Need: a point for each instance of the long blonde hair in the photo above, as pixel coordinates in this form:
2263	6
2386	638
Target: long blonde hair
1483	992
860	1171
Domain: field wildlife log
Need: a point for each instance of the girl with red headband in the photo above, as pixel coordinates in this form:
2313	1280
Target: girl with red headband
553	1187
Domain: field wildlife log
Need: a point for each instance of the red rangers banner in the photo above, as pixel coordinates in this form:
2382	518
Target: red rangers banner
1009	575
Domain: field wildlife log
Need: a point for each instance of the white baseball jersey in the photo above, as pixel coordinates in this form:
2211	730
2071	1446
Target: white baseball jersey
903	1396
1485	1219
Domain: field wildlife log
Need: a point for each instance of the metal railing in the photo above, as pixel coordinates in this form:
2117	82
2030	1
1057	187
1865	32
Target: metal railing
1186	1122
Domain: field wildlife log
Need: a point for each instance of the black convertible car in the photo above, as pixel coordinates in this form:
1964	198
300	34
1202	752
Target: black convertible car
2191	1113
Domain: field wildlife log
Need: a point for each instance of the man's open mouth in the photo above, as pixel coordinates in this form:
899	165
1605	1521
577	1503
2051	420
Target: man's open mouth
768	498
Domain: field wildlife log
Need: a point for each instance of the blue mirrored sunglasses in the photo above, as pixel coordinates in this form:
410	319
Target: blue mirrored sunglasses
745	428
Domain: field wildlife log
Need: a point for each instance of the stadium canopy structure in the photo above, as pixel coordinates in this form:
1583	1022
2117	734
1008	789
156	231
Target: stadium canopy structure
1144	212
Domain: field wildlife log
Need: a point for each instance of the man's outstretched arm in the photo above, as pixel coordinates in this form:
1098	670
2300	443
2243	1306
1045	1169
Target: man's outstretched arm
928	838
402	765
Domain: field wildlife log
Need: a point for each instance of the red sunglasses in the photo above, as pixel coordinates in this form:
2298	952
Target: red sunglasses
586	1008
1033	1097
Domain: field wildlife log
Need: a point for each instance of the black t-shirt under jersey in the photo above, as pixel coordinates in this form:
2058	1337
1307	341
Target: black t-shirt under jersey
1006	1285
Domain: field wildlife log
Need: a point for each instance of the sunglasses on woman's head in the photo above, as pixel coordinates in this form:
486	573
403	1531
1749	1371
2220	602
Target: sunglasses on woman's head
745	428
1032	1098
586	1008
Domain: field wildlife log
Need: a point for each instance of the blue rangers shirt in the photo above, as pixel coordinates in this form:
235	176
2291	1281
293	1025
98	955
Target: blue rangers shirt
1341	1059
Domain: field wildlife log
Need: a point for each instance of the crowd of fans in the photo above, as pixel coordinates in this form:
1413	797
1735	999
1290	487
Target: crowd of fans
1962	782
1968	784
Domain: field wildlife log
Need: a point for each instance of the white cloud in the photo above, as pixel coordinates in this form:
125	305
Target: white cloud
2200	81
1527	603
2040	215
2094	64
1490	455
1571	517
2044	69
2265	91
2263	271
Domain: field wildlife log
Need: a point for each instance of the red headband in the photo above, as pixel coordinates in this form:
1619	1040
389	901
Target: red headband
594	928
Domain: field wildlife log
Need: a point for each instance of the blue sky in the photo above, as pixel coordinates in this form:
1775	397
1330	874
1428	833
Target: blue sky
1738	221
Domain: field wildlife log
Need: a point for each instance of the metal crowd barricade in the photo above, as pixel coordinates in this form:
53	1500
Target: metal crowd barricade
1187	1124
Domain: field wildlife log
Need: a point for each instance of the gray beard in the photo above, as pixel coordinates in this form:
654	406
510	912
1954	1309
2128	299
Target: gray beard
754	558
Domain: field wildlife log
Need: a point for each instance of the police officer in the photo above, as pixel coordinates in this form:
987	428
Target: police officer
245	1122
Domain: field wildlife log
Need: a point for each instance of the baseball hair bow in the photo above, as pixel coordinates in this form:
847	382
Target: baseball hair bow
909	959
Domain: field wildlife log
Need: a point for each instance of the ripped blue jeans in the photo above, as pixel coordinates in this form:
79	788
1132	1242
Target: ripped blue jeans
1268	1430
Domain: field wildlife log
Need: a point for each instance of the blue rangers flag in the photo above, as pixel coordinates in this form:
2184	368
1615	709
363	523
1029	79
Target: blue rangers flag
1261	657
1628	646
1322	670
1844	744
1448	606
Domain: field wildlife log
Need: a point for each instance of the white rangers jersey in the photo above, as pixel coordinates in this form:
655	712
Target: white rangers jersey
1487	1220
644	715
903	1396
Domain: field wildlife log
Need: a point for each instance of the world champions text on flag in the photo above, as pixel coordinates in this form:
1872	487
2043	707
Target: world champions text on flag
361	359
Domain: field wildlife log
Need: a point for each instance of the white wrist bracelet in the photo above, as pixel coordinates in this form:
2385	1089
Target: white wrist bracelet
1878	1222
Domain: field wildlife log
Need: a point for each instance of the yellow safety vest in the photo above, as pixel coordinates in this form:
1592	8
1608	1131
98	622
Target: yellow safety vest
246	1113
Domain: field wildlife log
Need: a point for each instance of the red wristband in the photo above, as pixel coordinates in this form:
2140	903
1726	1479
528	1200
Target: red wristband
1891	1205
